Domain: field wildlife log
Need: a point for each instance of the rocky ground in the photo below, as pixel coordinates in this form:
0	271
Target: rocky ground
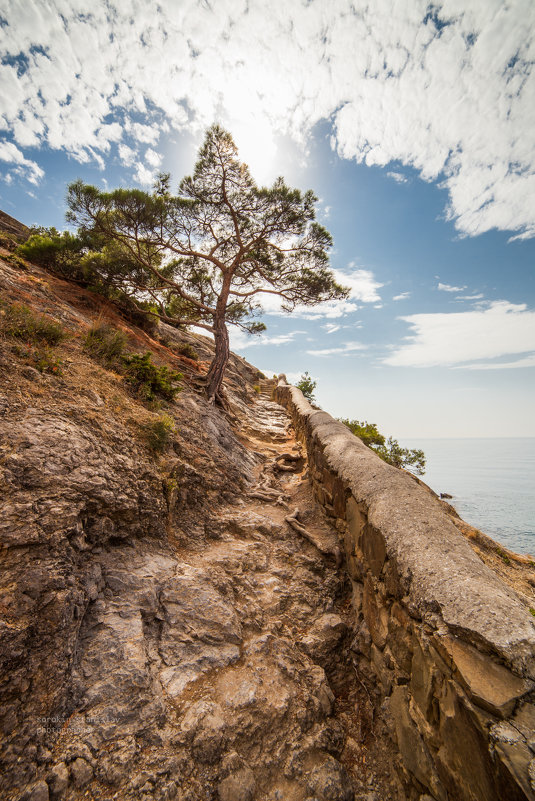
173	625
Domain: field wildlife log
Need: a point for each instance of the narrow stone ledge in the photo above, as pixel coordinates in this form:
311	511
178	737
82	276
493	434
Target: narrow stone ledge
440	568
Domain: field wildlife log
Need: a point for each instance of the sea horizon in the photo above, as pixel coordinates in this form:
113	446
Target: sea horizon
492	485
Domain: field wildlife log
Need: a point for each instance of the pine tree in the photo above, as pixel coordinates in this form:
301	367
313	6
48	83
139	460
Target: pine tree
207	255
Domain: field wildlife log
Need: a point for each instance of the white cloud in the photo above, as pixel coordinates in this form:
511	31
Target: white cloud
127	155
345	349
527	361
402	296
449	288
144	175
361	283
153	158
330	310
398	177
240	339
406	84
462	338
331	328
11	154
470	297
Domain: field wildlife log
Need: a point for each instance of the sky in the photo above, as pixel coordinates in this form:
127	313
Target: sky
413	122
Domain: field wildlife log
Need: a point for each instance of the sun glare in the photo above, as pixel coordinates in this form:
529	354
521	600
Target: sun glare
257	148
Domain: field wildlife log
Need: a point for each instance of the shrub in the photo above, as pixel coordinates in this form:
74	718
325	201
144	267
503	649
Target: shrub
43	359
159	433
105	343
58	252
390	450
307	386
19	322
187	350
257	389
148	380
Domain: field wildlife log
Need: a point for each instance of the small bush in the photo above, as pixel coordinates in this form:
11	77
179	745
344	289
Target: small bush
148	380
188	351
43	359
307	385
8	241
503	556
257	389
56	251
16	261
159	433
105	343
19	322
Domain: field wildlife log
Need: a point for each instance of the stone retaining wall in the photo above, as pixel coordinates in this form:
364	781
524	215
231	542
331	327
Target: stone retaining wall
451	645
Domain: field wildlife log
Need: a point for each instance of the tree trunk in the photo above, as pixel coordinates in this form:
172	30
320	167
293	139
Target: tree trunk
216	371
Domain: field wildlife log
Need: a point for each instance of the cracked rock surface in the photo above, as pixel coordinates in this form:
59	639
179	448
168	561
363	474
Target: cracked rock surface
165	633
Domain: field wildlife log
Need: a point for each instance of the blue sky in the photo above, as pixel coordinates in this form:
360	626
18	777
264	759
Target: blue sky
412	123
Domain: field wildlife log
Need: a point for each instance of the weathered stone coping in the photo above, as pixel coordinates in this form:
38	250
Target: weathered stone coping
439	570
450	646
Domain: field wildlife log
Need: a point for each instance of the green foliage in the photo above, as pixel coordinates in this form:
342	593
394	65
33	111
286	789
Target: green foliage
532	611
148	380
365	431
159	433
9	241
187	350
19	322
105	343
207	254
57	251
40	358
307	386
389	450
256	388
503	556
16	261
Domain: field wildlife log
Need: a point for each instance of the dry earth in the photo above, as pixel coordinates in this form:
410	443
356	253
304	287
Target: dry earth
172	628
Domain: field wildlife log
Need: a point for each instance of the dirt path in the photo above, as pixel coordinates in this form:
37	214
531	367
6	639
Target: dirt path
299	719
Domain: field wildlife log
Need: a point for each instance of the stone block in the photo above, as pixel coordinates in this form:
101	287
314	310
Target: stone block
416	757
516	757
392	579
373	547
488	684
339	498
464	763
384	674
356	519
375	615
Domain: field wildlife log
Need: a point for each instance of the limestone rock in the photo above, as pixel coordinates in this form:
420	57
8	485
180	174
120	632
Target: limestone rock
330	782
39	792
239	786
81	772
324	637
58	780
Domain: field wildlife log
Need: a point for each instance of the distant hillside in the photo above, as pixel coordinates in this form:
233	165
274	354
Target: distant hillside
12	226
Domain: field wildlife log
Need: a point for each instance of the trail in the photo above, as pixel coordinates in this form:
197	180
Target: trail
298	719
220	667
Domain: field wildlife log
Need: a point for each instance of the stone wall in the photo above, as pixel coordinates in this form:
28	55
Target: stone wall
452	647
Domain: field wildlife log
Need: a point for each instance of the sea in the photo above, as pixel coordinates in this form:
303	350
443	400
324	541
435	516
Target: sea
492	482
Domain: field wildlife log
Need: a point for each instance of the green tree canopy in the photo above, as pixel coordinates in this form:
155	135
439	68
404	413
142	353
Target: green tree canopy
207	255
389	450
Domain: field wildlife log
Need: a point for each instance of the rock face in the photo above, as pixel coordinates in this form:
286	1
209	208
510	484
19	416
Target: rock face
451	646
165	634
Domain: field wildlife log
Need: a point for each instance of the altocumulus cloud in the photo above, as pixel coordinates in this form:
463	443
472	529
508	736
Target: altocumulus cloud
446	88
464	338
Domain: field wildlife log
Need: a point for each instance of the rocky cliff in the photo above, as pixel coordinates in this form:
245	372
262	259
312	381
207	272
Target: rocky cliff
188	611
175	621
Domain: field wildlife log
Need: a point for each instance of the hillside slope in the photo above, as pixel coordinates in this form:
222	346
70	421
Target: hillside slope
165	632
